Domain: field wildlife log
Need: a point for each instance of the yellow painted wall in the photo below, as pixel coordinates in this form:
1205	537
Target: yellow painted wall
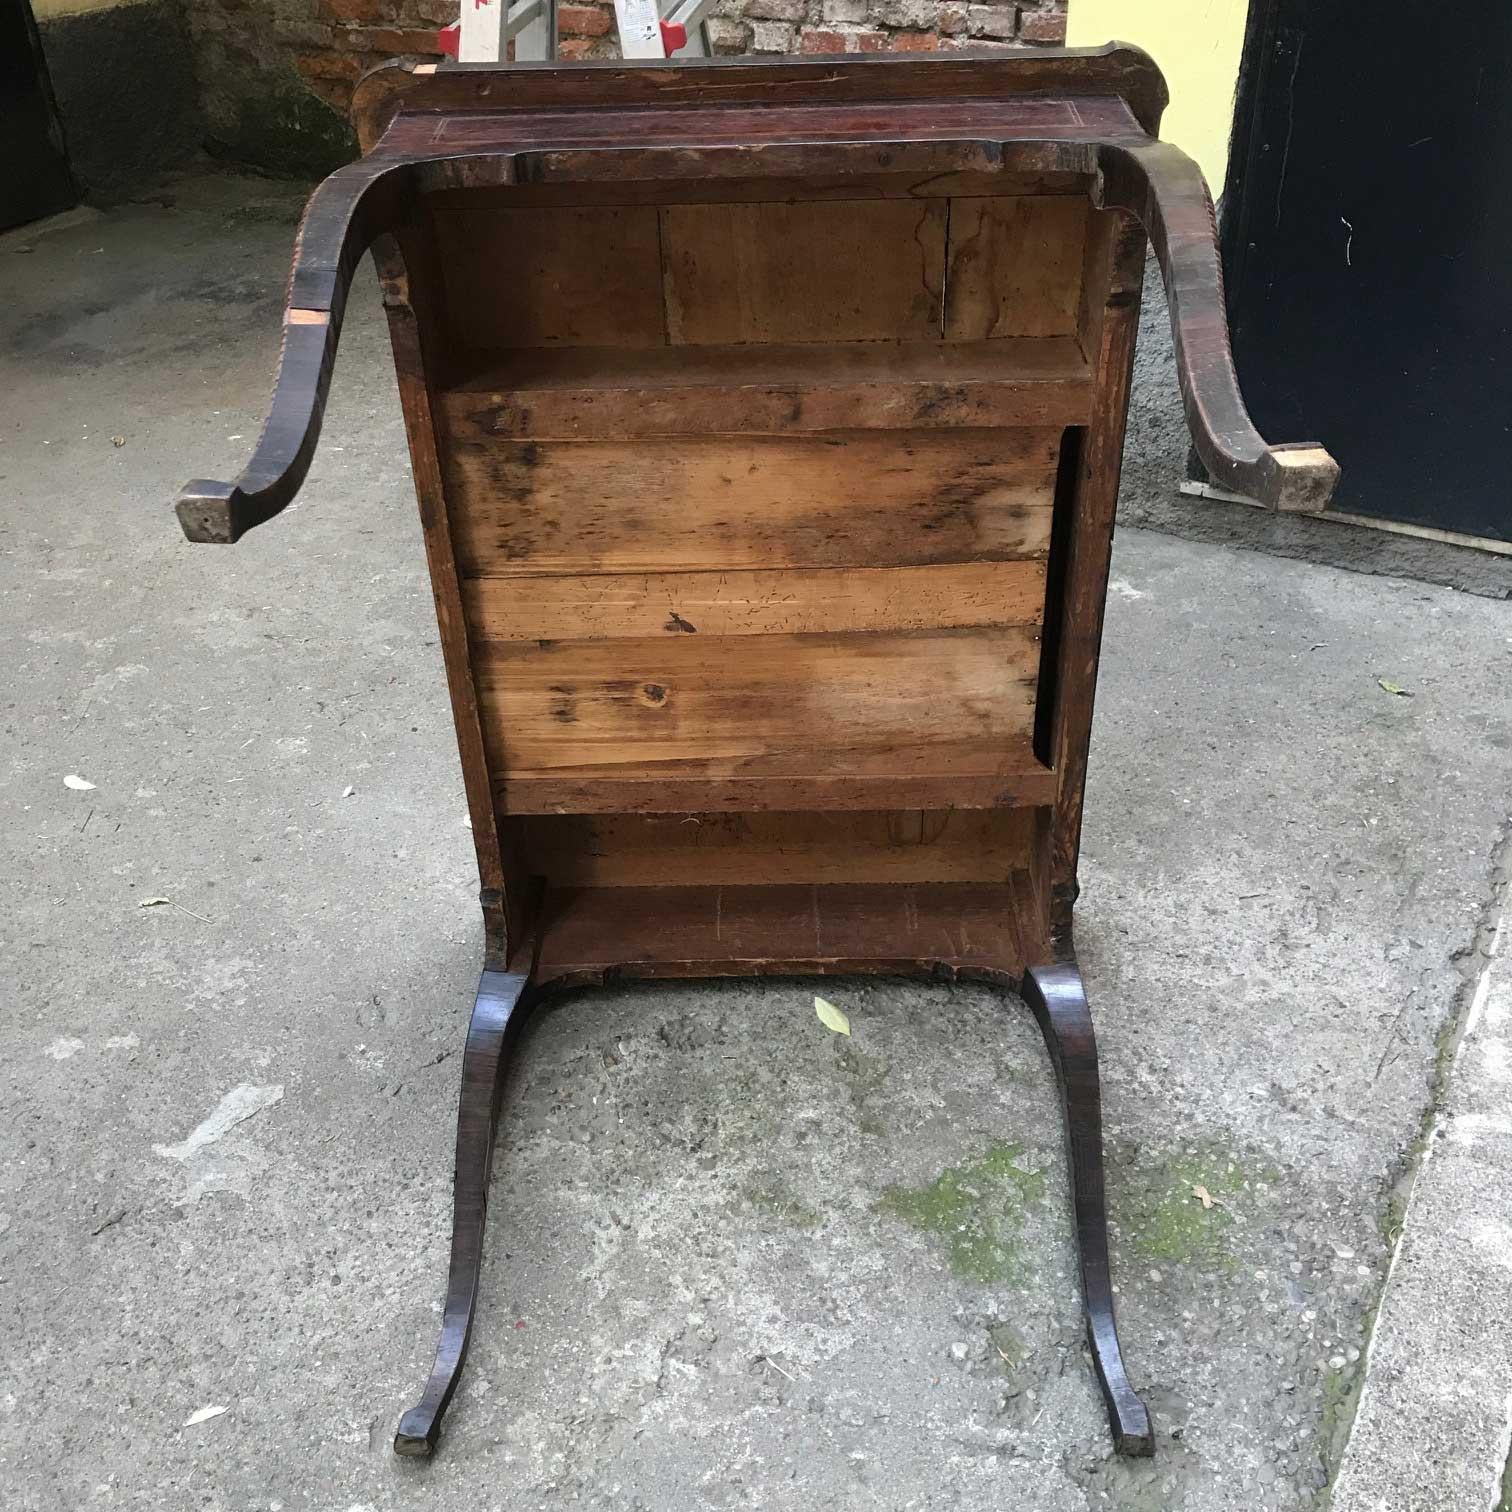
1196	43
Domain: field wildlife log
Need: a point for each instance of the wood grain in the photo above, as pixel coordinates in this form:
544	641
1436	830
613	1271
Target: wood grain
965	774
1015	267
847	499
802	601
695	697
831	270
572	275
1090	506
964	927
592	393
760	95
671	850
414	335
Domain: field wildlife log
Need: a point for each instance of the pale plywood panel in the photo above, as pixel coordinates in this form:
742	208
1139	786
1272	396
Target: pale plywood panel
1015	267
693	503
856	270
569	276
636	703
792	602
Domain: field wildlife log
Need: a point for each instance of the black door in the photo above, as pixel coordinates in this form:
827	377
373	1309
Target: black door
34	176
1367	238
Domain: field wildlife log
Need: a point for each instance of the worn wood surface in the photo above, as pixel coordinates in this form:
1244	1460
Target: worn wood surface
1015	266
744	849
1033	80
1058	1001
695	503
766	421
828	270
568	276
964	774
612	393
499	1005
414	336
798	601
958	928
1087	509
696	697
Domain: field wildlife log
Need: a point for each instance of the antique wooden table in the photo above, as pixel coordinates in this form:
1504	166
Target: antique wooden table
766	422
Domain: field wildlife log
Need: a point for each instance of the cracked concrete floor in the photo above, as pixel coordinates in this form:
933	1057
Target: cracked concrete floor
734	1260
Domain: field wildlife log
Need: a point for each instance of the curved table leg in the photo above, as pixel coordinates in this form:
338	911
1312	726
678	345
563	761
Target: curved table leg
1059	1002
499	997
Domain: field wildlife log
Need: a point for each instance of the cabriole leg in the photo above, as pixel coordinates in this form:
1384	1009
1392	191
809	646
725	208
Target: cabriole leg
1059	1002
499	997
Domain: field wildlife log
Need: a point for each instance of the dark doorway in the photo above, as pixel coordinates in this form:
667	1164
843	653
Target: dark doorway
34	176
1367	241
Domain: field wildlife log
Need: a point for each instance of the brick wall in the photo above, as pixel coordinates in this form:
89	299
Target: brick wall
276	76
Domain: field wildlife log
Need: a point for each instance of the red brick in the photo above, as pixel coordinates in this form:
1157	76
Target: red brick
360	12
822	40
332	65
913	42
391	40
1042	26
582	21
574	48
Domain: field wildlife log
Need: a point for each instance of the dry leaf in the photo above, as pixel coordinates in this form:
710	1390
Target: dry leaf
78	784
169	903
1203	1196
347	792
203	1415
1395	689
830	1016
119	441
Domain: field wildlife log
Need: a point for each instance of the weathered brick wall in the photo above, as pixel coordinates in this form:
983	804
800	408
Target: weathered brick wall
838	26
276	75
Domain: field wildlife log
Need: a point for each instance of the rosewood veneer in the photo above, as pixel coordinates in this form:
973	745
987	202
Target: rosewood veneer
766	422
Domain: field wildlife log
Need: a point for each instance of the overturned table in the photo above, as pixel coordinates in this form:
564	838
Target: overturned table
766	423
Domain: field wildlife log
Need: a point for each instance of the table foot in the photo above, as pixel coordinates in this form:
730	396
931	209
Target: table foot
483	1062
1058	1000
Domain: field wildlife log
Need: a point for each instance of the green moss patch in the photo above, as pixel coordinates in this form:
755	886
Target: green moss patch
1169	1222
277	125
976	1210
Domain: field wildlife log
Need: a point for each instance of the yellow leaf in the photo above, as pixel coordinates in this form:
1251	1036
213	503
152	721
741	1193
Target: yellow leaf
1395	689
830	1016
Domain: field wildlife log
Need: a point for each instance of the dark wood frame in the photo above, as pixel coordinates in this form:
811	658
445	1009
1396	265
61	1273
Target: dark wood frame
1090	115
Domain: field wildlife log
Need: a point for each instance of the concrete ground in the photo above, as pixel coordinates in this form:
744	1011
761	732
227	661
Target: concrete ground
735	1261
